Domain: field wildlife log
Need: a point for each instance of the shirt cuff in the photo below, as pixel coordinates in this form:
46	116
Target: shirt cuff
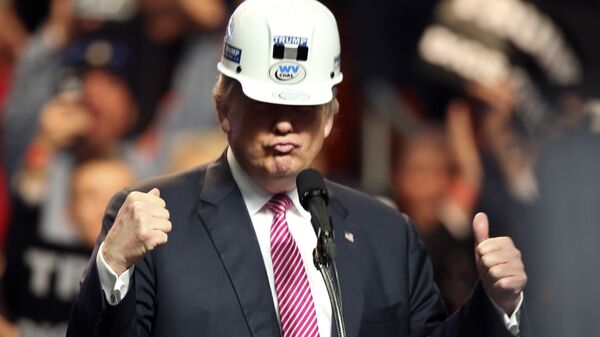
511	323
115	287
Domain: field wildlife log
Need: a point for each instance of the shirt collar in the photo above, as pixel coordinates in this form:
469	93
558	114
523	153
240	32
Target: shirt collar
255	197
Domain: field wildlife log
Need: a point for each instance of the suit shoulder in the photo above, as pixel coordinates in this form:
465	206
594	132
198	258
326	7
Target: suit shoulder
179	183
362	204
174	181
383	228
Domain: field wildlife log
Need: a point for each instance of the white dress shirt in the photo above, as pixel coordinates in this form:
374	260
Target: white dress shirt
116	287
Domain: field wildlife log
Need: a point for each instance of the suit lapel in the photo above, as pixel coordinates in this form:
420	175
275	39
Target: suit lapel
223	213
349	265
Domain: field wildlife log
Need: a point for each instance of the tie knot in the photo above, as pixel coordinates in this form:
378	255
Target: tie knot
279	203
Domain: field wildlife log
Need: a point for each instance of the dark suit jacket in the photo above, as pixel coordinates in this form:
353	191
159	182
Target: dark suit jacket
210	279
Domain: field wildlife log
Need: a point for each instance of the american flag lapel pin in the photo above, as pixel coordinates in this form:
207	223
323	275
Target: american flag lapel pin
349	236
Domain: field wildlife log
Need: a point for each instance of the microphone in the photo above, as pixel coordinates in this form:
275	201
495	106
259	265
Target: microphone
314	198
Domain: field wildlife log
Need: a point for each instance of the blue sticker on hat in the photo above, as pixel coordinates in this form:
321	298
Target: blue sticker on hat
232	53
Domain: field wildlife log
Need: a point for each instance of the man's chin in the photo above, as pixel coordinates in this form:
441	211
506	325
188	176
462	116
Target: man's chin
279	180
284	166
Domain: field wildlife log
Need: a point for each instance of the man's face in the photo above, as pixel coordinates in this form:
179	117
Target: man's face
92	186
273	143
111	106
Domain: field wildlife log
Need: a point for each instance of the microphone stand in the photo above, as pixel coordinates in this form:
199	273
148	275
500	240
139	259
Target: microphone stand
324	260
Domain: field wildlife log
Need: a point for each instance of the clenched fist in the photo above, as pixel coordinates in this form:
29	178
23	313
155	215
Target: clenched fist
141	225
499	265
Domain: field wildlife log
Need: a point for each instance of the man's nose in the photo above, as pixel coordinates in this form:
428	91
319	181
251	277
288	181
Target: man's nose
283	125
283	119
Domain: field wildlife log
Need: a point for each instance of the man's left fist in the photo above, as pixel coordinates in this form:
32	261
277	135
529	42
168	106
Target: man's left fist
499	265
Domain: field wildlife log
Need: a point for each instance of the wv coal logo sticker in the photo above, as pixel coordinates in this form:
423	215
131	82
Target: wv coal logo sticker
287	72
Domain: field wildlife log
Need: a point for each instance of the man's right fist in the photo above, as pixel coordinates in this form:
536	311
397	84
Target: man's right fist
141	225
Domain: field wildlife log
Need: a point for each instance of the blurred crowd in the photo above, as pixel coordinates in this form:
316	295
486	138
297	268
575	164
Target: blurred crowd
445	111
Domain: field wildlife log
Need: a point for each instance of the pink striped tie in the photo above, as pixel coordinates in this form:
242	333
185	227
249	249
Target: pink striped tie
296	307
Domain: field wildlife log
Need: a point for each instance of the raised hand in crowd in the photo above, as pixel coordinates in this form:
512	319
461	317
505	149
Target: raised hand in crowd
512	153
62	122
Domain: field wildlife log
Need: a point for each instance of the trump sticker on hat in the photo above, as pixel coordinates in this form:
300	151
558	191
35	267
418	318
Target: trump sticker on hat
290	48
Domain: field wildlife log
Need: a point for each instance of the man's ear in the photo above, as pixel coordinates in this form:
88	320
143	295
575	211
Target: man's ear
332	110
225	125
223	115
328	124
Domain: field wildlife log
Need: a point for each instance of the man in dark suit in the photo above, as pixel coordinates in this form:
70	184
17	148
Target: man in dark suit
225	249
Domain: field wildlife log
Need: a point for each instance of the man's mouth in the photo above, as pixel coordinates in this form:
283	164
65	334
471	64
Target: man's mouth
283	148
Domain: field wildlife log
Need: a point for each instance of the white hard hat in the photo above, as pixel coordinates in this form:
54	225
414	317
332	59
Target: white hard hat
283	51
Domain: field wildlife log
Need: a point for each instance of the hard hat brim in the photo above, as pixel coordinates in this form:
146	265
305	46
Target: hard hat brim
291	94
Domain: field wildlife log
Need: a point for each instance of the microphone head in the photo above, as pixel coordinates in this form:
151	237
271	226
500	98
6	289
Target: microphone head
310	184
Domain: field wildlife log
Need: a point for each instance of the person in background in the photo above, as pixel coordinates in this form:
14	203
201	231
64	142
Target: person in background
87	118
94	182
36	74
436	178
90	116
152	28
42	277
92	108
